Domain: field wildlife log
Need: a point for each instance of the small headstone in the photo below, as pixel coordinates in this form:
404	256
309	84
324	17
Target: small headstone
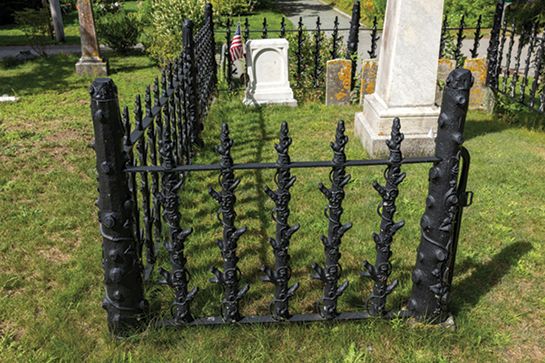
7	98
267	61
443	70
338	82
368	78
478	93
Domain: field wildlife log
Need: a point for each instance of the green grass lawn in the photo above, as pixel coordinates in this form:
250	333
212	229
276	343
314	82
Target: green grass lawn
50	267
12	35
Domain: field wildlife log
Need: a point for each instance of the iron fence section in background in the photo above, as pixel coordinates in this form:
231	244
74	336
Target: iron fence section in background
313	62
159	143
316	39
516	61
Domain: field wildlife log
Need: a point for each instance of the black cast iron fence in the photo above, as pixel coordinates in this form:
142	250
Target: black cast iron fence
312	48
166	128
129	241
516	61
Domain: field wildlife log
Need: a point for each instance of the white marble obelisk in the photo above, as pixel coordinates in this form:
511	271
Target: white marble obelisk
406	79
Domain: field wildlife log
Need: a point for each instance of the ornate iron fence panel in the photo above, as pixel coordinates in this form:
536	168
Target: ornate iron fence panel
516	61
140	215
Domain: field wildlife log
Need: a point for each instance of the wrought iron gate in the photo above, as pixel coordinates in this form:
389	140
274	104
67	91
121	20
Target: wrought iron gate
131	225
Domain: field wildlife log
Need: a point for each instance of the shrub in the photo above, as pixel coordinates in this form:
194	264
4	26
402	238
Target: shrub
118	30
304	88
107	6
233	7
35	24
163	26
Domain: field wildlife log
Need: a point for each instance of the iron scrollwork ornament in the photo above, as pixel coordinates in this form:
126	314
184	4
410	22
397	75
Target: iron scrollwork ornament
229	278
281	273
331	272
380	272
178	277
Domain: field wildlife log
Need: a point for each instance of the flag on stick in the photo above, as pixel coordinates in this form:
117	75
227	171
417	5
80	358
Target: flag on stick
235	50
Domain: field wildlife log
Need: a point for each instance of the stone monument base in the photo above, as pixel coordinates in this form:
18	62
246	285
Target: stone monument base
92	67
418	124
275	97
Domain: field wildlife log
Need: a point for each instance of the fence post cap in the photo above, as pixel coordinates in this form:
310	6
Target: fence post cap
103	89
460	79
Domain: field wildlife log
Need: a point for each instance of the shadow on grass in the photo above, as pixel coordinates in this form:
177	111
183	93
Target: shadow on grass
479	127
469	291
44	74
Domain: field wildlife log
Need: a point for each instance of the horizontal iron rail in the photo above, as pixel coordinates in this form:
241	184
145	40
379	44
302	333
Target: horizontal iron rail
292	165
526	105
222	31
268	319
155	111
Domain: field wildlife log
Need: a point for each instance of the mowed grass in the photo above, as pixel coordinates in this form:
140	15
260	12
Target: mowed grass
50	262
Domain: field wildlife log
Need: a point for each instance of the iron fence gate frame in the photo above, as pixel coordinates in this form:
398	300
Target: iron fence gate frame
124	240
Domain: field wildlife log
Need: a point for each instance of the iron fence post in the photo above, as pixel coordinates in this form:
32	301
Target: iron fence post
124	300
353	38
228	63
492	56
433	271
209	16
191	103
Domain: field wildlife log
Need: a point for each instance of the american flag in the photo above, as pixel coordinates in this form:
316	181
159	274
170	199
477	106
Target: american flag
236	50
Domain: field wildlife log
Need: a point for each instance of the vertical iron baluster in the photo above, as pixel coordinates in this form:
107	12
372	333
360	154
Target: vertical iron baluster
190	88
433	270
353	39
299	52
380	272
514	79
501	49
507	71
492	51
156	205
374	40
477	38
178	101
283	28
281	274
178	277
229	279
444	37
132	181
228	72
246	29
540	55
316	53
335	38
531	46
147	237
458	56
174	115
331	272
159	116
264	34
209	14
124	291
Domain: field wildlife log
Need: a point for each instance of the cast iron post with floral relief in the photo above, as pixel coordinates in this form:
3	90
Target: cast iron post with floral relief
124	300
433	271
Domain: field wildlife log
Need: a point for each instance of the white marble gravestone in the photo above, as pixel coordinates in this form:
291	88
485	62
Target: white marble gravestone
406	79
267	62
